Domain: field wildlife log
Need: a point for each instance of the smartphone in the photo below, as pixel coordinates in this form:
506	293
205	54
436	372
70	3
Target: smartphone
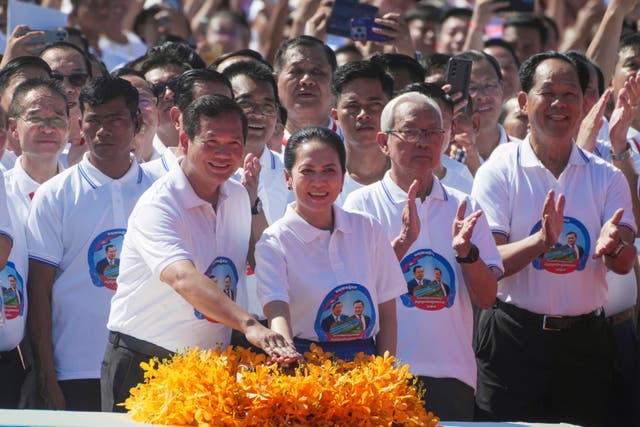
50	36
173	4
362	30
341	13
459	76
518	6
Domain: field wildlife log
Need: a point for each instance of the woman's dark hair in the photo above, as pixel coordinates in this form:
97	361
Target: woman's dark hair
314	133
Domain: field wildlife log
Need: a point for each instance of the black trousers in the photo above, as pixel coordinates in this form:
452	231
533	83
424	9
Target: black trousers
529	374
11	377
121	369
81	395
448	398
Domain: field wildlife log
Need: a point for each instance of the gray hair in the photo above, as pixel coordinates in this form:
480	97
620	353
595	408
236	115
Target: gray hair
388	113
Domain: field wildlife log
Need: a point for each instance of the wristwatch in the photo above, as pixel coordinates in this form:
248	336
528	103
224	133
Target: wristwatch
472	256
256	209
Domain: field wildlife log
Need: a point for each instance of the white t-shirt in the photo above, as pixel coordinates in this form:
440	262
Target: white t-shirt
435	317
76	219
313	270
8	160
350	185
157	168
457	176
169	224
512	187
114	54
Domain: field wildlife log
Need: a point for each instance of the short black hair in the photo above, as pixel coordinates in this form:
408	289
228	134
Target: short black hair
506	46
423	12
210	106
436	63
174	53
302	41
431	90
254	70
629	40
363	69
417	267
127	71
17	65
397	61
283	114
16	108
69	46
580	57
477	56
142	17
458	12
528	20
183	89
248	53
528	69
549	22
104	89
74	32
349	48
313	133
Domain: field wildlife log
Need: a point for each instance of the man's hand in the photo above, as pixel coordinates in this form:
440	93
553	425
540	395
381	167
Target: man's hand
590	126
20	43
410	229
251	176
51	394
624	113
398	31
552	219
274	344
609	238
463	229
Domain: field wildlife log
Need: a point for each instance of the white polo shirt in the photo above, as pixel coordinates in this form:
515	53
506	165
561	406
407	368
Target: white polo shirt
74	218
429	311
457	176
169	224
313	269
512	187
157	168
8	160
273	192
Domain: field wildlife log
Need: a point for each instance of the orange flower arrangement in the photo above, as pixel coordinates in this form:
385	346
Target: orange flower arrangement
238	388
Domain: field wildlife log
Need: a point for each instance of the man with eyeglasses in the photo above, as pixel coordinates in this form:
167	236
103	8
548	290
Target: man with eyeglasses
72	68
435	227
73	218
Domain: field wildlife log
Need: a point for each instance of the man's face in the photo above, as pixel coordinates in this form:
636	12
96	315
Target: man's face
508	68
43	127
202	88
571	239
437	274
92	15
13	282
554	103
628	65
358	111
227	283
165	100
111	252
486	93
423	35
358	308
215	153
223	32
147	103
258	101
303	82
337	309
525	41
410	159
21	76
453	32
447	122
419	273
108	130
68	66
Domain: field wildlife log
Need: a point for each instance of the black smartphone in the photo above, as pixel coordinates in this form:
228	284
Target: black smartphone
362	30
459	76
343	11
518	6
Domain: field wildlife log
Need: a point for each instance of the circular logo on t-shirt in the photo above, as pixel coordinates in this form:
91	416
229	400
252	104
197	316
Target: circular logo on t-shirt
346	314
223	274
571	253
12	291
430	281
104	258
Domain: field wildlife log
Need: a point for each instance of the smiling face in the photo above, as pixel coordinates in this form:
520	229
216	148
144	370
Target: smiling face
256	97
486	93
358	308
316	179
419	273
358	111
303	82
554	103
508	68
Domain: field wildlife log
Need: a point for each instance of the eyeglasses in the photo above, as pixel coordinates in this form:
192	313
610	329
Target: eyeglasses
76	79
55	122
264	109
488	89
414	135
160	88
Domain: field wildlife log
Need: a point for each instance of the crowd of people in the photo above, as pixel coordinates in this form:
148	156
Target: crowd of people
205	174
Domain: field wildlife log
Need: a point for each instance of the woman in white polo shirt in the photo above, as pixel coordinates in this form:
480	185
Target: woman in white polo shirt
327	276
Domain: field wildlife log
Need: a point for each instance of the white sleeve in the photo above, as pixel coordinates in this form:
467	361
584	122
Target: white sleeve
5	220
619	196
390	280
490	191
156	232
484	240
44	226
271	270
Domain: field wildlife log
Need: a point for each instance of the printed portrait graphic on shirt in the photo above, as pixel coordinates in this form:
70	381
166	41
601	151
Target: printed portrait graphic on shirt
571	253
12	292
346	314
104	258
430	281
224	275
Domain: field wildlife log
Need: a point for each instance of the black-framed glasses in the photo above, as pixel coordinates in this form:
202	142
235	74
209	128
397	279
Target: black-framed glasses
160	88
264	109
414	135
76	79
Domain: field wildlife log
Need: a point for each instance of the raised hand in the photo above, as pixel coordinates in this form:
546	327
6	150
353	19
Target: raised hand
609	238
552	219
251	176
463	229
624	113
591	123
